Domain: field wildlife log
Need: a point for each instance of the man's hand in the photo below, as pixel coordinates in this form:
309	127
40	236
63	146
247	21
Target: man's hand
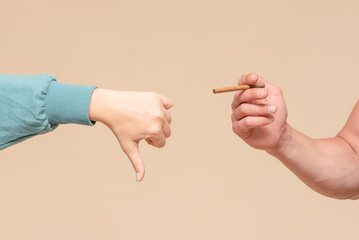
259	114
329	166
133	116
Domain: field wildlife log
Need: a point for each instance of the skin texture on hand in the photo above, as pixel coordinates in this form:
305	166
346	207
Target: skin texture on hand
132	117
329	166
259	114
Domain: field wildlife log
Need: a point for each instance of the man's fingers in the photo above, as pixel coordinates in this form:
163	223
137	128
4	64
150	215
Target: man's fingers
133	153
247	109
249	95
248	123
166	102
248	79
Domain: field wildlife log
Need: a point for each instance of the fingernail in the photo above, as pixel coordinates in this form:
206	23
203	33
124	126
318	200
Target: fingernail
253	77
261	93
138	177
271	109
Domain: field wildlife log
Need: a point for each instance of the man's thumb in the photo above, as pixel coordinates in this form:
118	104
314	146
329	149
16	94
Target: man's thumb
133	153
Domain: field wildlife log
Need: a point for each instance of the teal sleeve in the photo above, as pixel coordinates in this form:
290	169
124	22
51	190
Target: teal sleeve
36	104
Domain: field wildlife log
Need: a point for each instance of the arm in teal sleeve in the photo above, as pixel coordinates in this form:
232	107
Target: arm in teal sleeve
36	104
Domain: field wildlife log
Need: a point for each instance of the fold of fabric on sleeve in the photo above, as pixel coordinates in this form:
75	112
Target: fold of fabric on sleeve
36	104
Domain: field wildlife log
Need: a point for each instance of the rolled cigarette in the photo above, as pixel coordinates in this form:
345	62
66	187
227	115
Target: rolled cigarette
236	88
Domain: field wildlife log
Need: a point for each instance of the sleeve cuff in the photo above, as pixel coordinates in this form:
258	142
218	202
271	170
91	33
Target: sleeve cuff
68	103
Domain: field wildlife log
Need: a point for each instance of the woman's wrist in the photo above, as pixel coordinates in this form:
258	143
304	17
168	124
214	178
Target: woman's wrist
97	105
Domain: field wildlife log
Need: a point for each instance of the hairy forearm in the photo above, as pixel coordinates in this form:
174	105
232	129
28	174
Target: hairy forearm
328	166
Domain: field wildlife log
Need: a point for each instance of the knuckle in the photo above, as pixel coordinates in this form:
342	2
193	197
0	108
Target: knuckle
233	117
234	102
247	122
237	128
235	114
158	117
156	130
242	109
169	119
277	91
153	96
238	94
168	134
162	144
237	99
234	127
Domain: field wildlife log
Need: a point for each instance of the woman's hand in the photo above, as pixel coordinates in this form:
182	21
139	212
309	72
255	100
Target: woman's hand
133	116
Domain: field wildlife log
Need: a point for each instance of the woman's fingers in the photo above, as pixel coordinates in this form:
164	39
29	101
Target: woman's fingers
133	153
166	102
132	117
157	137
167	115
247	109
158	140
166	129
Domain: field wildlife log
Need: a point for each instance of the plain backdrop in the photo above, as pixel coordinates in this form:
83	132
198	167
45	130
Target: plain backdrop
76	183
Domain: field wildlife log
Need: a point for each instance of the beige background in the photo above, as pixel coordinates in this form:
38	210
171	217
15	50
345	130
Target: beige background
76	183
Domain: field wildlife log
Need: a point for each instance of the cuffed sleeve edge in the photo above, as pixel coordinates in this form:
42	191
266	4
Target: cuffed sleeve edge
68	103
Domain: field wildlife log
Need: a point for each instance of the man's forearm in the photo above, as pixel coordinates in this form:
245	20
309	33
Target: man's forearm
328	166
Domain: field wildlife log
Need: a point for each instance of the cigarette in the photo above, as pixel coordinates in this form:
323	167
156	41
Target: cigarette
236	88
